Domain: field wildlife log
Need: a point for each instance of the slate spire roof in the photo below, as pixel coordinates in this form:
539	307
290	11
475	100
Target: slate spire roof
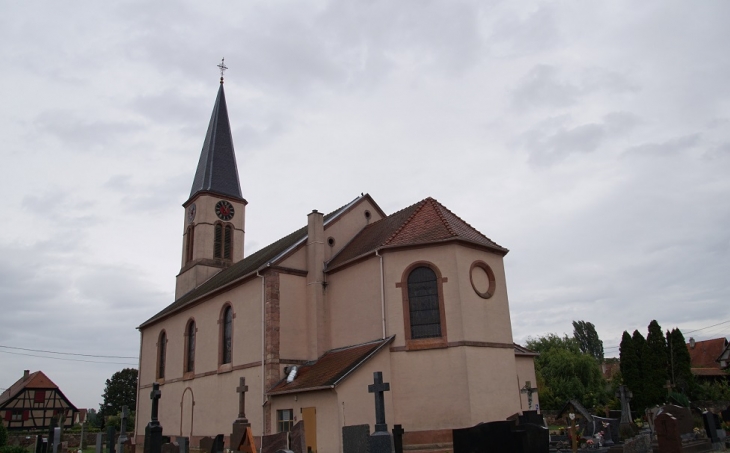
217	171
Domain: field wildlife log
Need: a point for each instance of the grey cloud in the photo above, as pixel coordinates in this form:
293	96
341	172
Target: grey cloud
547	148
666	148
82	134
518	34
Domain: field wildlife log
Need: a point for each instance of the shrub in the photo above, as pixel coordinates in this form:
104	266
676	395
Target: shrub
13	449
3	435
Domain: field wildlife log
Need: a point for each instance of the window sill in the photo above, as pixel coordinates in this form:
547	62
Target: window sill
426	343
188	376
160	381
225	368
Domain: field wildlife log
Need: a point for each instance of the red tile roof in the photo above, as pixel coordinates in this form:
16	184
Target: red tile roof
329	369
705	353
425	222
36	380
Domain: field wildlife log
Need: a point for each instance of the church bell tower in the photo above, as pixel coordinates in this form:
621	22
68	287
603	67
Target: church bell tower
215	212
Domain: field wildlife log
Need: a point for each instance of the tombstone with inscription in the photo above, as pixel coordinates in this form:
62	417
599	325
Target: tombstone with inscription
297	440
271	443
51	430
684	417
667	433
212	445
153	430
380	440
356	439
111	433
609	427
712	424
99	442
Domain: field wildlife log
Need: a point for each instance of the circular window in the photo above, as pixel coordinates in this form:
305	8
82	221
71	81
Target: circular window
482	279
331	241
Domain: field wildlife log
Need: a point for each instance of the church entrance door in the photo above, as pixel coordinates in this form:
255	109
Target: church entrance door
309	416
186	413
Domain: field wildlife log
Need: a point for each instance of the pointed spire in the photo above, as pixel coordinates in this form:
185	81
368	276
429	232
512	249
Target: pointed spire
217	171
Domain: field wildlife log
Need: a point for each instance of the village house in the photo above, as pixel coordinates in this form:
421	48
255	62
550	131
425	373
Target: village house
32	401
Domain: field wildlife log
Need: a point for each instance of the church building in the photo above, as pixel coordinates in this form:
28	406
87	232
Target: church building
419	295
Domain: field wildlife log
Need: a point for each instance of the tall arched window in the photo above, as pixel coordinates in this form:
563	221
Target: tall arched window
189	244
222	241
190	347
227	335
161	355
423	303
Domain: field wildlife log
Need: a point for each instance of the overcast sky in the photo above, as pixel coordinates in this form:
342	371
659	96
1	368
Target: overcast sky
590	138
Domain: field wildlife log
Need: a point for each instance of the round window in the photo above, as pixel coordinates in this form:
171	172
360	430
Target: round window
482	279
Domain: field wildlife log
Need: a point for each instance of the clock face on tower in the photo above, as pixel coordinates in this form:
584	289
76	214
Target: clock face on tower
224	210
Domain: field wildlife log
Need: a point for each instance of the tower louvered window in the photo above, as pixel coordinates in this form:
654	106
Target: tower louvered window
190	353
423	300
189	244
223	241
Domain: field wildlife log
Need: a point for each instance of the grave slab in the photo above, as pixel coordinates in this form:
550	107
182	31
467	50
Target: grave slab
355	439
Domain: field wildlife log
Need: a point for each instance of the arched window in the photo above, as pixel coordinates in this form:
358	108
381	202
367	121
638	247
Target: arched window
423	303
190	347
161	355
223	241
227	335
189	244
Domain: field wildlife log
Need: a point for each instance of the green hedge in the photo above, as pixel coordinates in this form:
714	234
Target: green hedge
13	449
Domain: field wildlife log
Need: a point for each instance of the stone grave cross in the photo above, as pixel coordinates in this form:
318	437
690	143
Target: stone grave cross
378	387
153	430
529	390
123	429
669	387
241	390
625	395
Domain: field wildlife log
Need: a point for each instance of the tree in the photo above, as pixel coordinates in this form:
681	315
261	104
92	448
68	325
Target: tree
630	364
3	434
585	334
680	366
640	402
655	365
121	390
564	372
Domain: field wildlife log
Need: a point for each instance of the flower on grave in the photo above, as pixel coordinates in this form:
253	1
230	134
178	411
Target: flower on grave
589	442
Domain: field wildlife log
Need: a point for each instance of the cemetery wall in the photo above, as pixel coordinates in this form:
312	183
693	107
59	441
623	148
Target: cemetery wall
73	439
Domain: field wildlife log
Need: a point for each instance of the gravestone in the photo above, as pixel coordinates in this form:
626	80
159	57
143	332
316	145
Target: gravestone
355	439
610	429
532	417
726	414
529	390
38	444
212	445
51	431
153	430
110	434
241	424
64	445
123	429
271	443
531	438
684	417
492	437
380	440
667	432
398	438
708	418
297	441
56	439
99	442
183	444
44	449
625	395
170	448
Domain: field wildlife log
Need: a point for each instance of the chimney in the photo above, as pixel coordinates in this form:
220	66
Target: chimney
317	325
691	343
26	373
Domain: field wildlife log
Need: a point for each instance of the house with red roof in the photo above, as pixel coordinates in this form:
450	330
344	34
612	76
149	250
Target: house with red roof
709	358
419	295
32	401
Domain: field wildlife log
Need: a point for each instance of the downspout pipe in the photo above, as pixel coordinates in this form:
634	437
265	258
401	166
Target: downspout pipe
263	351
382	290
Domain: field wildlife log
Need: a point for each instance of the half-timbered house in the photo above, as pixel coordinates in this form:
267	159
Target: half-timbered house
32	401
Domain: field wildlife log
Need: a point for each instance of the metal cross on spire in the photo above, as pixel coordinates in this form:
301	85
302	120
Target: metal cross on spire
222	67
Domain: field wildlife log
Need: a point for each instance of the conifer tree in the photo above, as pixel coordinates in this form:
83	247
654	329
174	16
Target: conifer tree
629	362
640	402
585	334
680	367
655	365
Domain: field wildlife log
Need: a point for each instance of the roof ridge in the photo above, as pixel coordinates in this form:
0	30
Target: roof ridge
422	203
440	213
466	223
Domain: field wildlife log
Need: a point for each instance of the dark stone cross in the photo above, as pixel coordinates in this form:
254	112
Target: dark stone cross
153	430
378	388
241	390
123	427
625	394
669	387
529	390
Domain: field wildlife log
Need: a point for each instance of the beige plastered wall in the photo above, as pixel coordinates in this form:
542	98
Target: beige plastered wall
213	388
526	372
353	300
294	331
